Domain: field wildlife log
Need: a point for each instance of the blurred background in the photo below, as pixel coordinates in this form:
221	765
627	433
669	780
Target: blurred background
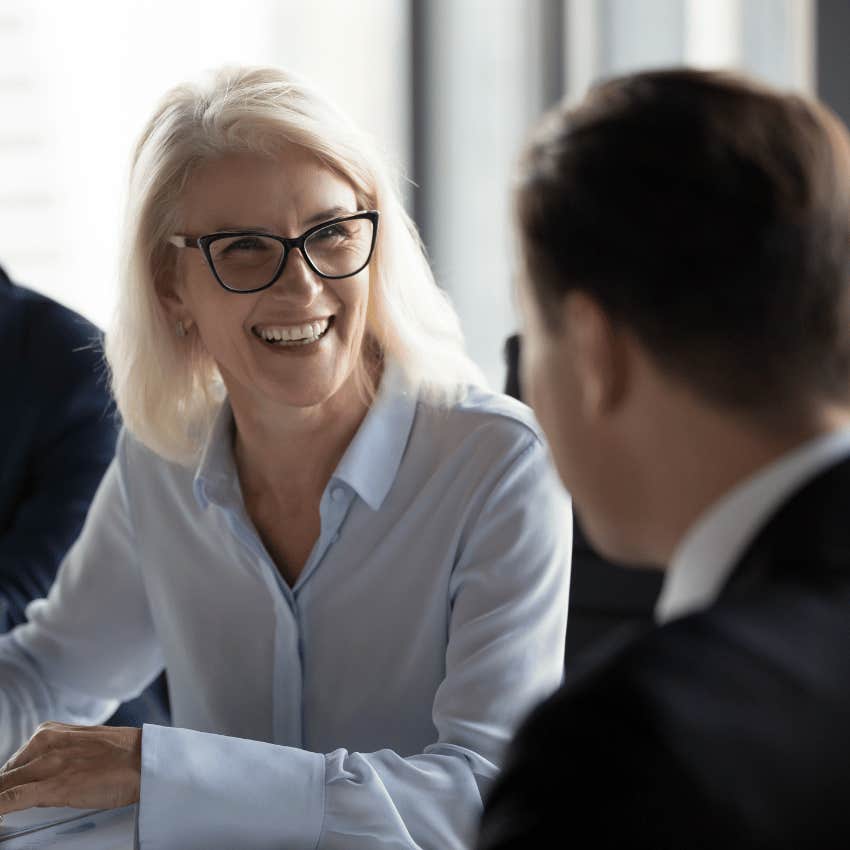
448	88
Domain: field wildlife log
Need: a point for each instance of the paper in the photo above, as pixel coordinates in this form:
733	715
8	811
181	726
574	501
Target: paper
37	818
69	829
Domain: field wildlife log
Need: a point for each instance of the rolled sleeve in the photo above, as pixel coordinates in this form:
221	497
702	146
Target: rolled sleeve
509	601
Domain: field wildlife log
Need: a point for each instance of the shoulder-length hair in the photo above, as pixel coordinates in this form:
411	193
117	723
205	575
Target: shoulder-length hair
168	389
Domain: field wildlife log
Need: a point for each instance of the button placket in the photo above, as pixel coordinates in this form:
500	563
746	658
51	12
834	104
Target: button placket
339	503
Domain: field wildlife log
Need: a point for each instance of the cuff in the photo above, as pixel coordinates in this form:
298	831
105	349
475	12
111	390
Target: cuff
213	792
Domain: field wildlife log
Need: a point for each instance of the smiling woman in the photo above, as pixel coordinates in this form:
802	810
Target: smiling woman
351	559
232	169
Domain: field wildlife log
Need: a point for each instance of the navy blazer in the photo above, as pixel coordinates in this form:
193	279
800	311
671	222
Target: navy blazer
726	728
57	433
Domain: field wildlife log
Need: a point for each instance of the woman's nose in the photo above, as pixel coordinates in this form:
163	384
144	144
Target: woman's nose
297	279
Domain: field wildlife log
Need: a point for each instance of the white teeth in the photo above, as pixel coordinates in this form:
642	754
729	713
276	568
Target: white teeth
294	333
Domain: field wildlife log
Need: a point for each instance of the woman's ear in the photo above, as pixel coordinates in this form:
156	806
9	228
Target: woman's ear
170	291
598	355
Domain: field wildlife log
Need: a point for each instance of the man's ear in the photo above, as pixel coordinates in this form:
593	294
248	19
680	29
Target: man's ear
596	347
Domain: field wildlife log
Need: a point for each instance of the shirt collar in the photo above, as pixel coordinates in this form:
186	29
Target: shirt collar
216	476
712	546
369	465
371	462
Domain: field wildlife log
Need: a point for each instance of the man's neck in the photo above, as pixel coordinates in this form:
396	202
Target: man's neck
706	454
715	543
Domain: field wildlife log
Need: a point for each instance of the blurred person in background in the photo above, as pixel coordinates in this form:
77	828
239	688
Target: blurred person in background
58	435
351	559
686	300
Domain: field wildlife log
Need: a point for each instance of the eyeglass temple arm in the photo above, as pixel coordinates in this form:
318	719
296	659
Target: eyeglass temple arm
183	241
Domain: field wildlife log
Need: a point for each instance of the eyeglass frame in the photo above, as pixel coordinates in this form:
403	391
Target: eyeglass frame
203	243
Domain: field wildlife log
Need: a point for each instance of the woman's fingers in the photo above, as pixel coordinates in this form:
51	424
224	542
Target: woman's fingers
44	793
36	770
46	737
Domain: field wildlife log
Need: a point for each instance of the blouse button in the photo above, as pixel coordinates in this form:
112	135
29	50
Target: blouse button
337	494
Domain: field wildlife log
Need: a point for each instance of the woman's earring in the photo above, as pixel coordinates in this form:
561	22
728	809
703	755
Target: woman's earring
181	328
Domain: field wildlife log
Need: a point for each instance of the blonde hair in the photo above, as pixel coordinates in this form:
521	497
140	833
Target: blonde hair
167	387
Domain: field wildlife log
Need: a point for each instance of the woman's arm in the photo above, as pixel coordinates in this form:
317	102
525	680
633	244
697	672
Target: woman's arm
505	652
90	644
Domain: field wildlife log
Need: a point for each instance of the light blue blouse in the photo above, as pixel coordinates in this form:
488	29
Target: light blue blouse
368	705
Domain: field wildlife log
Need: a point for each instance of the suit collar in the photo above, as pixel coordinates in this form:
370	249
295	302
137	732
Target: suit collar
808	537
715	543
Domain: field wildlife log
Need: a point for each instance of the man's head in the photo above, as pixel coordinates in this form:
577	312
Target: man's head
685	241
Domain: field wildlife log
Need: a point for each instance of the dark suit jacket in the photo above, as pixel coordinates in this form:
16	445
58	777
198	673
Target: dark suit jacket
727	728
57	436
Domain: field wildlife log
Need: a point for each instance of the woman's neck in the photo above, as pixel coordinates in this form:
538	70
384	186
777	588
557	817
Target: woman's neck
290	453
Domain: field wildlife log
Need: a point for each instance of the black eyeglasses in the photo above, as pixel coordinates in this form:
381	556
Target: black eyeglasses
249	261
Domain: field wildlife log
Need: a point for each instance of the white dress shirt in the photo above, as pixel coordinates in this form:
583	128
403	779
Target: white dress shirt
368	705
707	554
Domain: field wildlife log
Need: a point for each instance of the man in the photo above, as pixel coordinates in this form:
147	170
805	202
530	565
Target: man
686	300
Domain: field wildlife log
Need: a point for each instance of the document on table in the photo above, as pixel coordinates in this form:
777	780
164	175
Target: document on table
69	829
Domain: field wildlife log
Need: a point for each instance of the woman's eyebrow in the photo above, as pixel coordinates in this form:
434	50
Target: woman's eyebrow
324	215
227	227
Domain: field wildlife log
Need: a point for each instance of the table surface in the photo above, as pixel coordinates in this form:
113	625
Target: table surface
69	829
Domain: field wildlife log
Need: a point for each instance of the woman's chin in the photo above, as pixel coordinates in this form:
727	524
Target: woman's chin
306	392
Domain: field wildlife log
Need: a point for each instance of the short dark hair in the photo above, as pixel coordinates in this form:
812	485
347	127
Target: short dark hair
708	214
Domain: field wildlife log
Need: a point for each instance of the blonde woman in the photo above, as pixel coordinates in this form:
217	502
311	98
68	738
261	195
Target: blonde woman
350	559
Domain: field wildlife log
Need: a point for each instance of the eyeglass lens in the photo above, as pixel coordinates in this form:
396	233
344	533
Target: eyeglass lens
251	261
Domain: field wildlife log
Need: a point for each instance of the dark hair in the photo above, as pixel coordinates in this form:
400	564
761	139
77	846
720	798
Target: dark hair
710	216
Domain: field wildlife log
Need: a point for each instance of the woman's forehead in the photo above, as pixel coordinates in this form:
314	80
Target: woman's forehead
290	189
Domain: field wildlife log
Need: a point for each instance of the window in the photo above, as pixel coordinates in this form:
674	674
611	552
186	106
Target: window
81	78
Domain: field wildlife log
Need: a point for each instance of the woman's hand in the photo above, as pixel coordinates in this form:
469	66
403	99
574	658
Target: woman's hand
87	767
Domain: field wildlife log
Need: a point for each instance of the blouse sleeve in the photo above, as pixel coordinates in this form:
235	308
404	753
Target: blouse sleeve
90	644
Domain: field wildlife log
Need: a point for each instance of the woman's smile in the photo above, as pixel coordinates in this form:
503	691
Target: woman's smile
307	334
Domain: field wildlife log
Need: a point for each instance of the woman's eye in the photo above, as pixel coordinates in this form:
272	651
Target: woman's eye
246	243
335	231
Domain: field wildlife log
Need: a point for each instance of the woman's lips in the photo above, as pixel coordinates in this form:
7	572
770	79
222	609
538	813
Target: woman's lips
294	335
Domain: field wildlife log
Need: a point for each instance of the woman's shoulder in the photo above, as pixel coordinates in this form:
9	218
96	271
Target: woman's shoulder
143	469
478	418
493	406
481	447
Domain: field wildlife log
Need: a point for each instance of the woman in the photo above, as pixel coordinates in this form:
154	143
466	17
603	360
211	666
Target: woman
352	562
